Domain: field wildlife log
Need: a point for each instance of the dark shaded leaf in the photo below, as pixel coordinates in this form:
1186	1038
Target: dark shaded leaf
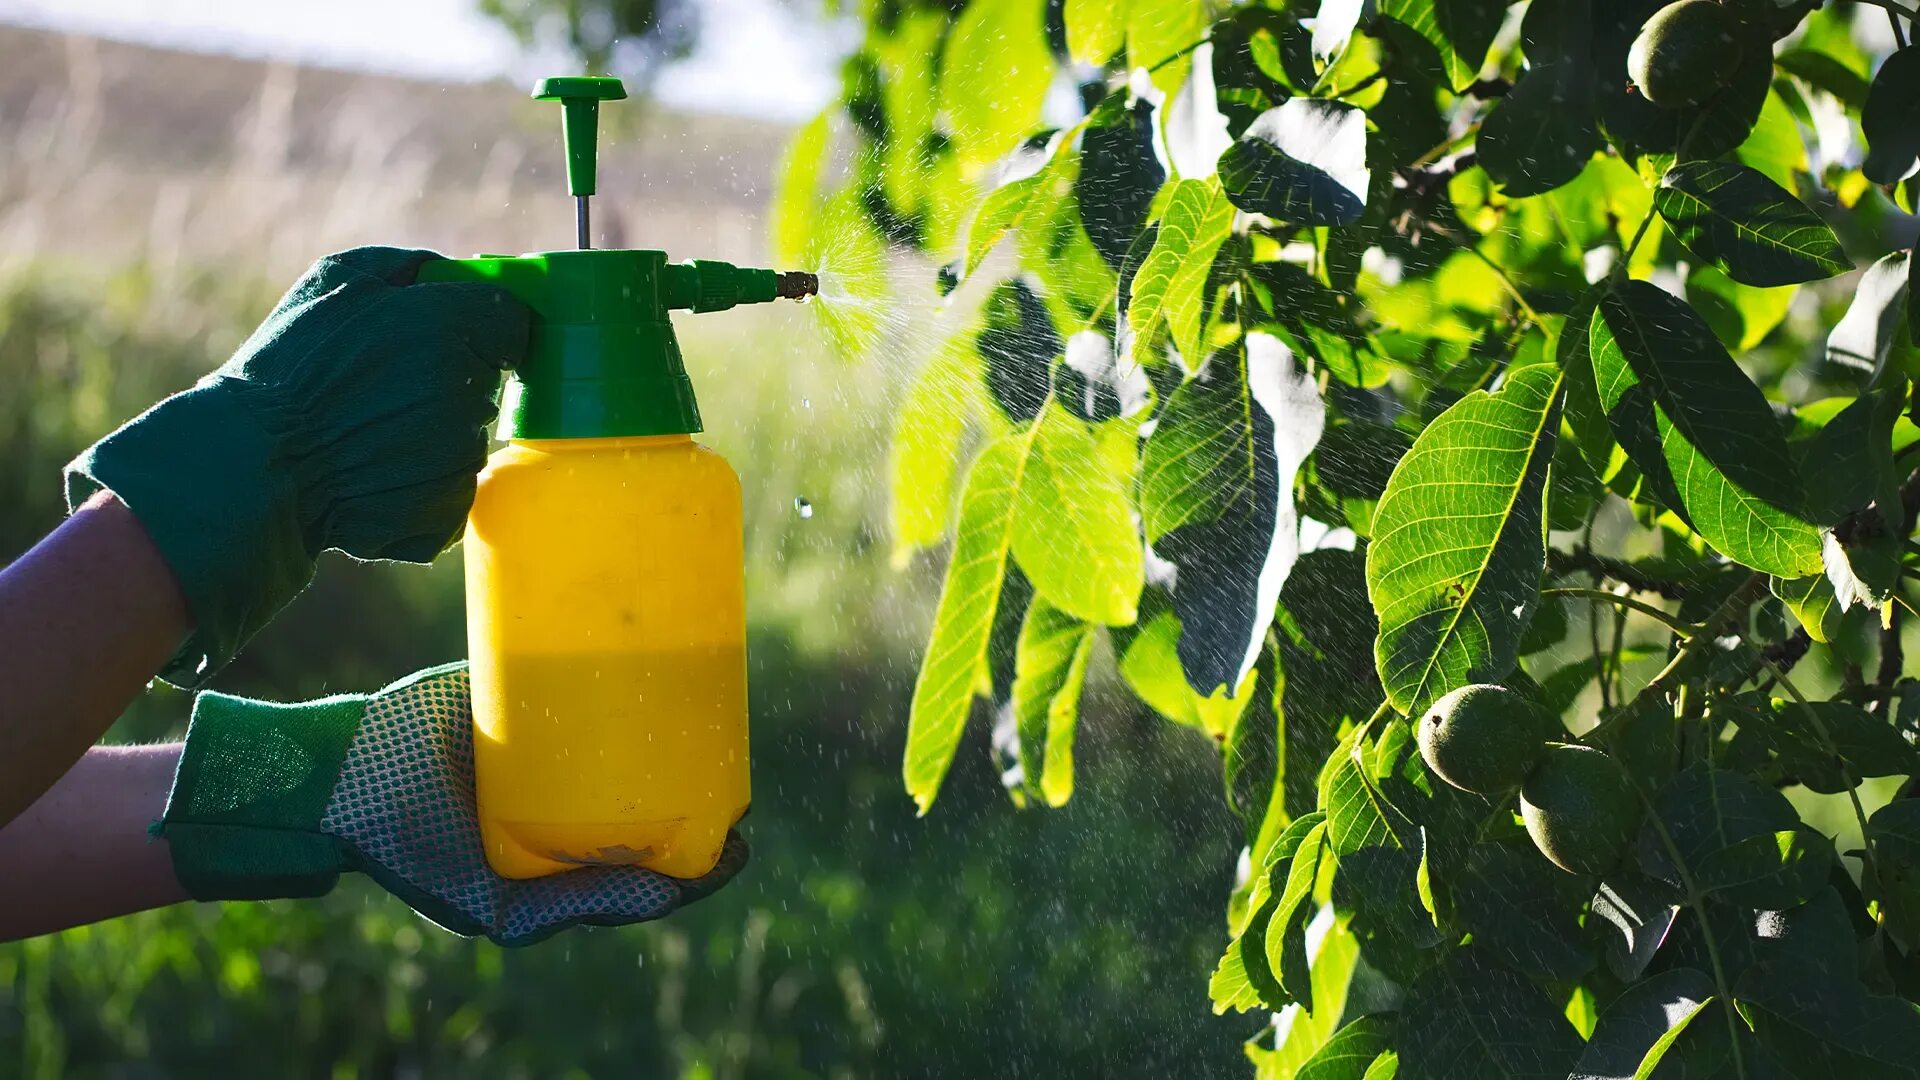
1770	871
1251	761
1891	119
1823	72
1216	499
1355	459
1699	429
1326	652
1019	345
1472	1018
1894	831
1648	1020
1518	906
1541	134
1816	739
1097	383
1119	175
1751	228
1313	319
1303	162
1705	811
1819	1025
1460	540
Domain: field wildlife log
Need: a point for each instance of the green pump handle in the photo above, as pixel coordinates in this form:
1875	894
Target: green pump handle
580	97
603	361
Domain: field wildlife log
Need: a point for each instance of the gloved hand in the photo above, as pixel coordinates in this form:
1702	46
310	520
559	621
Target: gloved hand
277	800
354	418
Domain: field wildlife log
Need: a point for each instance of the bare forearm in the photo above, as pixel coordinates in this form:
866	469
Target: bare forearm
82	853
86	618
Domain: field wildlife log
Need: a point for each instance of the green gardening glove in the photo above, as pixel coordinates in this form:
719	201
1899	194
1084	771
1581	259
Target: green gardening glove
354	418
278	800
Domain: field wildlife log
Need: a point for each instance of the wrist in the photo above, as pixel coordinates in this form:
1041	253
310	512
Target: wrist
204	478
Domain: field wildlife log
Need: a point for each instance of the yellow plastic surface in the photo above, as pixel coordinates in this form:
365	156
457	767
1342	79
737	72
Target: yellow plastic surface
606	625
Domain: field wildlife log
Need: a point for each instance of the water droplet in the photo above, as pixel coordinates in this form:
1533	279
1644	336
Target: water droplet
806	403
802	507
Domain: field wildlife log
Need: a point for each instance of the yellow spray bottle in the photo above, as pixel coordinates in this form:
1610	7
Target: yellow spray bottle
606	622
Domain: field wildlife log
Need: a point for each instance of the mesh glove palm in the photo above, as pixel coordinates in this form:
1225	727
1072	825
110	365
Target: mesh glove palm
278	800
354	418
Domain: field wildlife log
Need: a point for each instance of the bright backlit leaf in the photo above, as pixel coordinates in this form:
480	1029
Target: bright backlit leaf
1700	430
1459	540
994	75
1167	288
1050	669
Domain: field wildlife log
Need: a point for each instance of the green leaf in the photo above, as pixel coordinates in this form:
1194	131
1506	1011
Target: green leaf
1120	173
1158	31
1769	871
1815	739
1095	29
1741	315
924	459
1315	321
1217	479
1704	811
1073	530
1460	540
1813	603
1516	906
1460	31
1542	132
1358	815
1894	832
956	657
1472	1018
1245	961
994	74
1891	120
1303	162
1700	430
1639	1029
1747	225
1251	762
1167	288
1820	1025
1337	980
1871	327
1050	670
797	183
1351	1052
1000	213
1823	72
1286	939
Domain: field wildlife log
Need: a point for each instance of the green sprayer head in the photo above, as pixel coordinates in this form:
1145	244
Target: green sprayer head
604	361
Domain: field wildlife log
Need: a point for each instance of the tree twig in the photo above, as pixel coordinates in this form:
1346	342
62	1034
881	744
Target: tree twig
1633	577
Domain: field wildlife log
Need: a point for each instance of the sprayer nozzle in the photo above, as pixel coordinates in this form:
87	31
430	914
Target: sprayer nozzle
796	285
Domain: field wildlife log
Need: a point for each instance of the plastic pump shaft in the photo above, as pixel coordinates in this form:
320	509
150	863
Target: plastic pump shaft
580	98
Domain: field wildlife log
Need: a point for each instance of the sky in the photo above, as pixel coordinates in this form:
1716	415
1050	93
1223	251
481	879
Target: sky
773	59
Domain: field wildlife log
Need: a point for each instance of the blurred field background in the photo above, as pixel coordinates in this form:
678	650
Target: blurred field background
152	206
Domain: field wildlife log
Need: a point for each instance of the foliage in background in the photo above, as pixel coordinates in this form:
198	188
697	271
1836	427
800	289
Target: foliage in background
1331	356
